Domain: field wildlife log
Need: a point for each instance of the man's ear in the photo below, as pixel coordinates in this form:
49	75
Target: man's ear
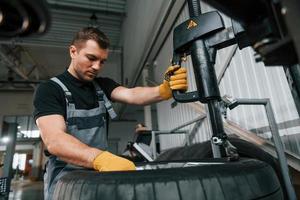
73	51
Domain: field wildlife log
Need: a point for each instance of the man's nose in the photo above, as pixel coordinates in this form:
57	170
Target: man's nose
96	65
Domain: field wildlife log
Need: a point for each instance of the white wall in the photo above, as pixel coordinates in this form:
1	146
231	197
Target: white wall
15	103
142	21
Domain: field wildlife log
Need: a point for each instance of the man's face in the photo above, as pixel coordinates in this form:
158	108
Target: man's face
87	61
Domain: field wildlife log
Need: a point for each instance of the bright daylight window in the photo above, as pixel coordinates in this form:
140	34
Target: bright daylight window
19	161
26	126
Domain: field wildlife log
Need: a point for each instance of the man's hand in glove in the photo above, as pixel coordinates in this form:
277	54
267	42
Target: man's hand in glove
175	79
106	161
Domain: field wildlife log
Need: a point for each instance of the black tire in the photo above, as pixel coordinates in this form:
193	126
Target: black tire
203	150
245	179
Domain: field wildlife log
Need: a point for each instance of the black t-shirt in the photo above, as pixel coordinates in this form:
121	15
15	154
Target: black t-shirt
50	99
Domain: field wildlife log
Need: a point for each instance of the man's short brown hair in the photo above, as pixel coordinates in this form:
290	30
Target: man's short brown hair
91	33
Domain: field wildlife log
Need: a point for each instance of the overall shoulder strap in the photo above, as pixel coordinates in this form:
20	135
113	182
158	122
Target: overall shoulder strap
101	96
68	94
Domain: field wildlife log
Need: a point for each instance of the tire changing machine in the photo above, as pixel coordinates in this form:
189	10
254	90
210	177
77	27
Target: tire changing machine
200	37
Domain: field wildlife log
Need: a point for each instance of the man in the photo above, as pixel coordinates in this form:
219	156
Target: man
70	109
142	138
140	127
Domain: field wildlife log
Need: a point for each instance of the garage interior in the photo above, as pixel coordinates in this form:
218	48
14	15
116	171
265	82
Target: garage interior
141	36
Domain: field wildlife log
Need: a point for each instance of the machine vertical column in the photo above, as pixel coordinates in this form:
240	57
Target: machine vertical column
206	80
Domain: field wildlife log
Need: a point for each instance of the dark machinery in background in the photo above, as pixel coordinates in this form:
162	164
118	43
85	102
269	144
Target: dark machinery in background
271	27
19	18
260	24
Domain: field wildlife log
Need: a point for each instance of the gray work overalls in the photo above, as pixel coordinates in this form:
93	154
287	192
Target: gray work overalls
89	126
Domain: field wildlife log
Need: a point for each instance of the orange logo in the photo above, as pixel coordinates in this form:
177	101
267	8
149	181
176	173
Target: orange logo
192	24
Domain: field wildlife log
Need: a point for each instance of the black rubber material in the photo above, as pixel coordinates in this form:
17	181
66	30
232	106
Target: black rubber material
245	179
203	150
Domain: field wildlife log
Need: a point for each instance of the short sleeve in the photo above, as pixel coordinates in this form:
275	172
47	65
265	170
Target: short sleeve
48	99
107	85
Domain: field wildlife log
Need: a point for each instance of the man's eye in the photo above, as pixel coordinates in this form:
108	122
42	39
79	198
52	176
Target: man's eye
91	58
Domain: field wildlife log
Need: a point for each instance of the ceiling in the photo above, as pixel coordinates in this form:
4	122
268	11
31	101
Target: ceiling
68	16
39	57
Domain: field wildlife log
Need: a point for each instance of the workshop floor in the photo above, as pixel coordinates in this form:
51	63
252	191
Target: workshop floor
26	190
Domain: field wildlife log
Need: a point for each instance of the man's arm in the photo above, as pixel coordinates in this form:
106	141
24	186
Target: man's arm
175	79
64	145
137	95
71	150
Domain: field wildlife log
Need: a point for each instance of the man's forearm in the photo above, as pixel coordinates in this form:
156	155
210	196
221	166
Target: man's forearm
87	162
71	150
145	95
137	95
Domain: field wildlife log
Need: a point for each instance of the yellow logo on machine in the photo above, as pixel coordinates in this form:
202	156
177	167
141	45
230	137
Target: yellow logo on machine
192	24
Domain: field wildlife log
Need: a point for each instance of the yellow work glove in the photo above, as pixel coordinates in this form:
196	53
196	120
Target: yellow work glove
106	161
175	79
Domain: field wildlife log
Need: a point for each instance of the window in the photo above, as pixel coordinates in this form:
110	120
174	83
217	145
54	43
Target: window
26	126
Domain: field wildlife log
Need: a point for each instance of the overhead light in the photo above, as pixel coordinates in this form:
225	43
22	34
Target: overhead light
5	139
93	21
